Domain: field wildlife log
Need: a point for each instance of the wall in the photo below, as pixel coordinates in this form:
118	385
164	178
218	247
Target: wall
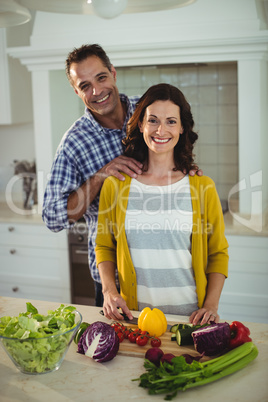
66	106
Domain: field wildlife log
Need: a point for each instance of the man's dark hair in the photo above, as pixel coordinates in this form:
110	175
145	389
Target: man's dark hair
82	53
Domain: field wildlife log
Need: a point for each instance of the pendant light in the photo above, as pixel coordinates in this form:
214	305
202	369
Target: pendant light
97	6
12	13
16	12
109	8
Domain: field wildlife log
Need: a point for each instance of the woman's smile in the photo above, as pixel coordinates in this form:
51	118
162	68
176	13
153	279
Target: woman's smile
161	140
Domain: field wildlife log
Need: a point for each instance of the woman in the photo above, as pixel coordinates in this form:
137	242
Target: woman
164	230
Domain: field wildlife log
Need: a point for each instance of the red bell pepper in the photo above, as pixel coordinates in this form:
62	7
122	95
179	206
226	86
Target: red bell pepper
239	334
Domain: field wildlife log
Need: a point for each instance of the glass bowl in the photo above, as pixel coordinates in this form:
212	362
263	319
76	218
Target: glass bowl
40	355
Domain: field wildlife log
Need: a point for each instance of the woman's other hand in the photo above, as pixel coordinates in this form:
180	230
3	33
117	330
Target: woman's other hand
203	316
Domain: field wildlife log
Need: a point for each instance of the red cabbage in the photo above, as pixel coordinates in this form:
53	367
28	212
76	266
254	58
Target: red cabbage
213	339
99	341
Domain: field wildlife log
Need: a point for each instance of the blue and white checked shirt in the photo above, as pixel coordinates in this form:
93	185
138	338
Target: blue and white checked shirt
84	149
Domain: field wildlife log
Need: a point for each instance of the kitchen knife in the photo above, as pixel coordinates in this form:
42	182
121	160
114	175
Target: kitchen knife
125	318
134	320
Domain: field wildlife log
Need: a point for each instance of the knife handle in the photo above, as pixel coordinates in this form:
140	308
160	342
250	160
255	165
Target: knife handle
122	314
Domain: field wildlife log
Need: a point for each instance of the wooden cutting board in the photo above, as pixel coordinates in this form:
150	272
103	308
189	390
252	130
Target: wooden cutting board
127	348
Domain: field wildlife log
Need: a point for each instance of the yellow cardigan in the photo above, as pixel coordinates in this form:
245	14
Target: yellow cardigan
209	245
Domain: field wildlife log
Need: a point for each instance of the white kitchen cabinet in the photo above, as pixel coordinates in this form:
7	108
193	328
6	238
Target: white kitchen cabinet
245	297
34	263
16	88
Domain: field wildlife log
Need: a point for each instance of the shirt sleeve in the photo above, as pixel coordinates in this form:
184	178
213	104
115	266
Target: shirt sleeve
64	178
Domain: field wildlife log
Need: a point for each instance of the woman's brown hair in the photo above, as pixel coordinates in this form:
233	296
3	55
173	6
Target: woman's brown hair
135	145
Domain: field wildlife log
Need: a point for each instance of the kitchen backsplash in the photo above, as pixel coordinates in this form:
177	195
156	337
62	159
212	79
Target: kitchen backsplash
211	89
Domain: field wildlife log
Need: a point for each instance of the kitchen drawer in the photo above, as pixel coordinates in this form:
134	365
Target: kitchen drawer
35	265
28	291
31	236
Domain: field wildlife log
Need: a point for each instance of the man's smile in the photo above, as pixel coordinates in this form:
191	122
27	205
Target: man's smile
103	99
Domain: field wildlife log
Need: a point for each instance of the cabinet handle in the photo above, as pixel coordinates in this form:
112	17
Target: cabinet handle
15	289
12	251
81	252
11	229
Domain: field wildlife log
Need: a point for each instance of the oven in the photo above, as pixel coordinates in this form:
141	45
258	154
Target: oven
82	284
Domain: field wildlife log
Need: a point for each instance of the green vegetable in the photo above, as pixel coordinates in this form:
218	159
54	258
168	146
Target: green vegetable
175	327
184	336
27	338
80	331
179	376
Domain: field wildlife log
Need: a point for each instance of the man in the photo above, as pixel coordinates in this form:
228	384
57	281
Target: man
90	150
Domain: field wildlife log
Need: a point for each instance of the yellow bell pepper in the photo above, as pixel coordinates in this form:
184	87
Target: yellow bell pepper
154	321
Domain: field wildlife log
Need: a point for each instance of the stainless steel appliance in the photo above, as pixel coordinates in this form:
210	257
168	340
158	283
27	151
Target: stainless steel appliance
82	285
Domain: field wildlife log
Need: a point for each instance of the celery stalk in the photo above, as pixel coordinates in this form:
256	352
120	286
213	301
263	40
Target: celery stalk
230	369
230	357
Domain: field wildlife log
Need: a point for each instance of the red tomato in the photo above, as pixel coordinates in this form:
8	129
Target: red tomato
126	333
155	342
132	337
120	336
141	340
146	333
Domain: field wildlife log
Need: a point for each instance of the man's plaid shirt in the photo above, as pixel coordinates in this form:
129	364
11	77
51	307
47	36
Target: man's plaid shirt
84	149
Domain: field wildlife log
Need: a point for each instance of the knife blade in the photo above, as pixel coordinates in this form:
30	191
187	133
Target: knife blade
134	320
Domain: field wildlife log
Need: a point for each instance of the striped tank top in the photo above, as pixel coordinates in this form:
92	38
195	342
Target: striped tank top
158	227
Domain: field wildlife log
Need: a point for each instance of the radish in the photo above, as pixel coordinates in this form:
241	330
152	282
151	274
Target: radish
154	355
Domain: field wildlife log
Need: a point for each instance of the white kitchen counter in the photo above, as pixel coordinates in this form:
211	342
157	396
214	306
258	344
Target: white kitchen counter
81	379
16	214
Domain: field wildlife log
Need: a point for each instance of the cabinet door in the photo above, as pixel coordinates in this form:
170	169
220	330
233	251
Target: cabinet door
32	236
34	260
32	292
35	266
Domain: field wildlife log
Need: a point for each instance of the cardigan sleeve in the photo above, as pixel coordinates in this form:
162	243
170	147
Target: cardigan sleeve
217	243
105	240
